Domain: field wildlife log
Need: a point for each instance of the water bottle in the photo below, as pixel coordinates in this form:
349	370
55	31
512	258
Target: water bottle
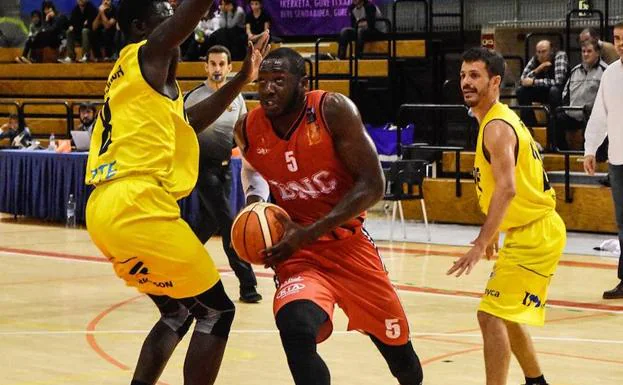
52	145
71	211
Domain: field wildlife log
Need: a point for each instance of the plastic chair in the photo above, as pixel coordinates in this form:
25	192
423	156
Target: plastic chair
401	178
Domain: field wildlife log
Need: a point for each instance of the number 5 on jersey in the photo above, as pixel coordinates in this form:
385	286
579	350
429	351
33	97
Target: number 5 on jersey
291	161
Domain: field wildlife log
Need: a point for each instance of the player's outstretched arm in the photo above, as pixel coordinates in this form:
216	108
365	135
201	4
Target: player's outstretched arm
358	154
255	187
162	42
204	113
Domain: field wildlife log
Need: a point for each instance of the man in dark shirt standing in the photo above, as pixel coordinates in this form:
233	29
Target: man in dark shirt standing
214	181
80	27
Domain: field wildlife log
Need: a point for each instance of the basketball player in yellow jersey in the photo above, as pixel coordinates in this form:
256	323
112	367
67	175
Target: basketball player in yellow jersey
143	158
515	195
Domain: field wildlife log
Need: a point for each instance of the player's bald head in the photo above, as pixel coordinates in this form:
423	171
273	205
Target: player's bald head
284	60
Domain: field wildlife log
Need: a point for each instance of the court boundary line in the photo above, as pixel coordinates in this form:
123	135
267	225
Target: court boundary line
617	309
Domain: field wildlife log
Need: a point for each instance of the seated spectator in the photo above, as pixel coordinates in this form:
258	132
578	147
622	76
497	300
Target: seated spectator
50	34
19	137
33	30
104	31
80	30
258	21
580	91
231	32
87	113
542	80
608	52
364	27
206	27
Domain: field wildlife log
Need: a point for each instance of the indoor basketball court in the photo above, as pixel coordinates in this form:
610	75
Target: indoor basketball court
66	319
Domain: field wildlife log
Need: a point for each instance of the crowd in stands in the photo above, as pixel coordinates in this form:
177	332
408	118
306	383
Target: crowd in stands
568	91
94	28
548	78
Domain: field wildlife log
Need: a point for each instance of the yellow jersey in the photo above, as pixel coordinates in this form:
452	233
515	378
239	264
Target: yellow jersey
534	197
141	132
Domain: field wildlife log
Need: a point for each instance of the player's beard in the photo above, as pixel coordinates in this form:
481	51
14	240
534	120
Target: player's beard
86	122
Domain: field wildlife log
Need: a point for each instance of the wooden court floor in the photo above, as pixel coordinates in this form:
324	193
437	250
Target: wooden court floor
66	319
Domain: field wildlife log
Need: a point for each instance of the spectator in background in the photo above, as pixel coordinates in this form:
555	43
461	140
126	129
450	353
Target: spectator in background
231	32
542	80
605	121
33	30
364	27
51	32
206	27
608	52
87	114
80	30
580	91
104	31
19	137
257	21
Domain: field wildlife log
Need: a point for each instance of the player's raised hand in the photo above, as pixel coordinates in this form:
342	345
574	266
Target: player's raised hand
466	263
255	54
294	238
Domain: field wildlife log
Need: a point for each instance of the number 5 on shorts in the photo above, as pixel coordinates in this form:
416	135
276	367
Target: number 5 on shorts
393	328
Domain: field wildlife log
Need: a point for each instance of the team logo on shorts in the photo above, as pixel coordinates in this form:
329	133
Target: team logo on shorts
532	300
289	290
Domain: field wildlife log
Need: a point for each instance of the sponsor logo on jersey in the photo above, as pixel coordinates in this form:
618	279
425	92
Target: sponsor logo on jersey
321	183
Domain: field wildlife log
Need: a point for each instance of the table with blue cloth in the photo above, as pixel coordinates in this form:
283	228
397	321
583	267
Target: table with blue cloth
38	184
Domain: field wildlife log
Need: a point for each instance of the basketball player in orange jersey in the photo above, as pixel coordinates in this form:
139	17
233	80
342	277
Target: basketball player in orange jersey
322	168
144	156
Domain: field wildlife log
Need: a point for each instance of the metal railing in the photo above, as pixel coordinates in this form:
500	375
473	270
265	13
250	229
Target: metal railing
68	113
405	116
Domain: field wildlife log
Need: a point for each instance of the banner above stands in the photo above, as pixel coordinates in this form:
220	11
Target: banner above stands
290	17
310	17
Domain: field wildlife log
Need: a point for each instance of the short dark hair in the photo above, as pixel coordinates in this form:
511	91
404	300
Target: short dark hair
496	66
619	24
87	106
36	12
48	4
593	43
13	117
219	49
296	63
592	32
134	9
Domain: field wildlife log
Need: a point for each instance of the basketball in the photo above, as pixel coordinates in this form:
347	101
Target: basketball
255	229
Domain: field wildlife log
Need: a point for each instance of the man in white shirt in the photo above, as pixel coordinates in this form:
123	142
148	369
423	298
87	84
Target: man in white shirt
214	181
606	120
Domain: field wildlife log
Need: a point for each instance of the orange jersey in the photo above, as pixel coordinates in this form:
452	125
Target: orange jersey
305	174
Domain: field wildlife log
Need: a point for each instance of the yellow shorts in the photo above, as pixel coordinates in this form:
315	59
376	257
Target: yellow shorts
517	287
137	225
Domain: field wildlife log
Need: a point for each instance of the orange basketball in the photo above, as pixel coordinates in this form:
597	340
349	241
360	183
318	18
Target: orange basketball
255	229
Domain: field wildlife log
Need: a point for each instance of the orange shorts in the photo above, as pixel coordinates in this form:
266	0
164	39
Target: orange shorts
349	273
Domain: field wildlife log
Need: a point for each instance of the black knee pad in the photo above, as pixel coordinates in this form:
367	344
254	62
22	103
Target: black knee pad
173	314
406	366
213	310
300	317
